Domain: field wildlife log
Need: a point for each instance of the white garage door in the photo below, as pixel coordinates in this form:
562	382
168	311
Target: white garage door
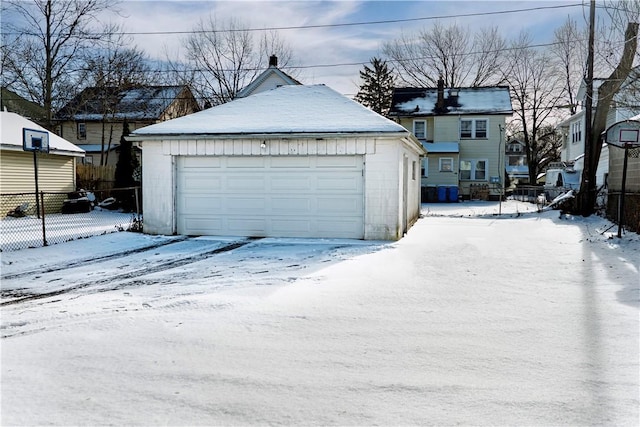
271	196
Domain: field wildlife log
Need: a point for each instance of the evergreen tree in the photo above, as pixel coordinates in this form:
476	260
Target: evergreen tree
377	86
125	168
127	161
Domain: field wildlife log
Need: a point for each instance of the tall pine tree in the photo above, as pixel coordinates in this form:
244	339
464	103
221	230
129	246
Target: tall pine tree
125	168
376	89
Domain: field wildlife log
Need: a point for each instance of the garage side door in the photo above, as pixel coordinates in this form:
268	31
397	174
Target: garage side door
271	196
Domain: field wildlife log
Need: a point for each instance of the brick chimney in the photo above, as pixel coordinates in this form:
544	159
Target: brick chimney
273	61
440	101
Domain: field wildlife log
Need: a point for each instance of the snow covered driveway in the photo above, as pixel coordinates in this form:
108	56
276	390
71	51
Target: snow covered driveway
470	319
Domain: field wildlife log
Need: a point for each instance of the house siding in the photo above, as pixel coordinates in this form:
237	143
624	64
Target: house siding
55	173
447	129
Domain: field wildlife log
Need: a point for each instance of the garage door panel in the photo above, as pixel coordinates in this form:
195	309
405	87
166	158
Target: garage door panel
202	225
242	183
343	228
296	196
290	162
247	226
291	206
245	162
342	183
203	182
201	205
344	205
237	204
294	182
290	227
200	162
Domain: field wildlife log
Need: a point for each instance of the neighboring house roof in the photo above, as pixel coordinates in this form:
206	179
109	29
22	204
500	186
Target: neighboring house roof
11	101
442	147
469	100
12	126
142	103
298	109
567	122
273	72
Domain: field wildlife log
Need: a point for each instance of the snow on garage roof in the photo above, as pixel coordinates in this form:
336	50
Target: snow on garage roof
288	109
12	125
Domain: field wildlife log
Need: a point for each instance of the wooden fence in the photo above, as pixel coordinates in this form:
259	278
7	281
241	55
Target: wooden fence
94	177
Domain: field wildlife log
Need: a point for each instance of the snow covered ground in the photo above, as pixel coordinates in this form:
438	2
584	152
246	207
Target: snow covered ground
473	318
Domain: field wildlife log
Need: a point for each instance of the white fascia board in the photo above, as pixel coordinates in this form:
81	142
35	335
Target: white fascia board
181	137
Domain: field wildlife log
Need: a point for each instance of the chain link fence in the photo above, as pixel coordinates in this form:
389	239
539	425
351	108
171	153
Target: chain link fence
29	221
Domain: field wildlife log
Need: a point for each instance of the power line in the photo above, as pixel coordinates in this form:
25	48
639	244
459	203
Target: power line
347	24
352	24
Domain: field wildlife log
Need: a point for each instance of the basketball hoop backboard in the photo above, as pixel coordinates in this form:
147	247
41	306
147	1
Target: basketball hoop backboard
35	140
625	134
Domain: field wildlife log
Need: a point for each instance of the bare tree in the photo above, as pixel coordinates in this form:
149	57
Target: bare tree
535	93
221	58
46	37
608	89
448	52
112	70
571	55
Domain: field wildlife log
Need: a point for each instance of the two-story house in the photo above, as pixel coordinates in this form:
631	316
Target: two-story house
623	107
462	130
93	120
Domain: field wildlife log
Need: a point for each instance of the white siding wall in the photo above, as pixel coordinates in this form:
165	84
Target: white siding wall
159	187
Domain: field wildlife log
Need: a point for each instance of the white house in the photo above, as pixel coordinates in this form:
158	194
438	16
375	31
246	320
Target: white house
295	161
573	128
270	78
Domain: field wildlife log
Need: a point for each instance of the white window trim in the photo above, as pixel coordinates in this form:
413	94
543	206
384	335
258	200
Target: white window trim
425	129
79	134
425	167
472	172
440	159
473	129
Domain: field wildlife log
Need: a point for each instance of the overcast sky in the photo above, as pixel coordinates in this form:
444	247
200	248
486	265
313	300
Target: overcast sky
340	44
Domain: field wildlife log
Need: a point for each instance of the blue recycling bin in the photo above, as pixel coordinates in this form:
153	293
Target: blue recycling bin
453	195
442	193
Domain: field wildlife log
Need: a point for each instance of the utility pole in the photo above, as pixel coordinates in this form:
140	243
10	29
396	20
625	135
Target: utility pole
588	114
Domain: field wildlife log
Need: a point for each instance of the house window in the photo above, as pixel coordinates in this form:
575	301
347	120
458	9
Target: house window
446	164
576	132
515	148
425	168
473	169
474	128
82	131
420	129
414	171
88	160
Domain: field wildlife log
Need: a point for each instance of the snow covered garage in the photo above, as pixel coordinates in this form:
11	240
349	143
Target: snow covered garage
296	161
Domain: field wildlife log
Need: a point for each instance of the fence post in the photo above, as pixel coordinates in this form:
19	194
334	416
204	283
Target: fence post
137	204
44	228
